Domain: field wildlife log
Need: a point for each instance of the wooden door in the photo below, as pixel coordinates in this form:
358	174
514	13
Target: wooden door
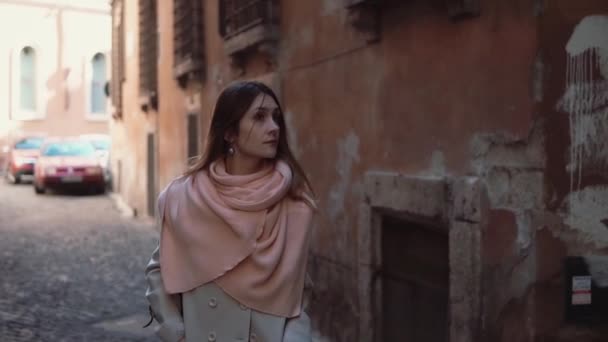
415	282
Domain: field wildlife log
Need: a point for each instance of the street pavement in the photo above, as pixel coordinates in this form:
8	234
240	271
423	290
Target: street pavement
71	268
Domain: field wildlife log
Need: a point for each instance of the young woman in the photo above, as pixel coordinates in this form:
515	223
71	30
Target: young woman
235	230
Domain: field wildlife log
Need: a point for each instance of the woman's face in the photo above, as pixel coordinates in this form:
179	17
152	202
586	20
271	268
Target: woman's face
258	130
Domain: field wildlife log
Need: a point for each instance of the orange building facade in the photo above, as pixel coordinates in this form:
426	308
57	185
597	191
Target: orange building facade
457	149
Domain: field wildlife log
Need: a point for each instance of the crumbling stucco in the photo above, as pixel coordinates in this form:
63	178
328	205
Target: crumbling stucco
585	210
438	165
347	156
598	267
505	150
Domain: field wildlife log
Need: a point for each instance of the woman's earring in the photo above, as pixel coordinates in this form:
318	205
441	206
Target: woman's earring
231	150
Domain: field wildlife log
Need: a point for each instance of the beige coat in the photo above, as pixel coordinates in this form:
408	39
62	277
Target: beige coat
208	314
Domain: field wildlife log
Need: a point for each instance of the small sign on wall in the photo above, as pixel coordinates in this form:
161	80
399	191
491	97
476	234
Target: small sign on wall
581	290
586	289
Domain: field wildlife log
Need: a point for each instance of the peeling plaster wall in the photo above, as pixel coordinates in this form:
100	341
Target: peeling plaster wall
548	191
412	103
585	99
513	172
543	206
586	96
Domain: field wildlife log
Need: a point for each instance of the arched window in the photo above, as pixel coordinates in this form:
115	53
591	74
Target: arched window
98	81
27	65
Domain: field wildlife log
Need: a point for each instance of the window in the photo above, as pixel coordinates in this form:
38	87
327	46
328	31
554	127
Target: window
148	53
118	67
188	40
98	81
253	21
27	93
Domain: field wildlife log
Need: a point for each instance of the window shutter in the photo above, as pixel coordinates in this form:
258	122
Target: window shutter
148	41
188	40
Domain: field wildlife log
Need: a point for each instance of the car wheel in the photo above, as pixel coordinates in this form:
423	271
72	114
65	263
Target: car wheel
38	190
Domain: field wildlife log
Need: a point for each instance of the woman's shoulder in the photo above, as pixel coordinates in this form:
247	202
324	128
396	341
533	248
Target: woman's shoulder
169	197
305	201
174	185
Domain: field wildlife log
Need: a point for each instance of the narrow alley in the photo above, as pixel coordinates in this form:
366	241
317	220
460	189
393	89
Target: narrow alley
72	268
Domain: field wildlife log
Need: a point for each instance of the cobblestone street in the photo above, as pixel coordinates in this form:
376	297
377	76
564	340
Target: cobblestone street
71	268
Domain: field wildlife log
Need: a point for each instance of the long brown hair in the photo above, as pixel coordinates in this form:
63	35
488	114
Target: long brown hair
231	106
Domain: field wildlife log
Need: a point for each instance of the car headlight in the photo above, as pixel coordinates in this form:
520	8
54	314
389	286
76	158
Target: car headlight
50	170
93	170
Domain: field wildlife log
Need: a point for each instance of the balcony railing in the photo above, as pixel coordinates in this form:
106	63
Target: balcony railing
248	23
237	16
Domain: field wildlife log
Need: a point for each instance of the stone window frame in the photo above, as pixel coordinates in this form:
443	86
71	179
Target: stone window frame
460	205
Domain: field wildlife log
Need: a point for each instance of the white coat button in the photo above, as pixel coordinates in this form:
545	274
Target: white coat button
211	336
212	302
253	337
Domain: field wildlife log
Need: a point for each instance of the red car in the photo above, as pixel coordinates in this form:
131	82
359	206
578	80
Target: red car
68	163
22	157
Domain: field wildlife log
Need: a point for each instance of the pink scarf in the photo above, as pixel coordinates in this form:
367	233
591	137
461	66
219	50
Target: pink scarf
241	231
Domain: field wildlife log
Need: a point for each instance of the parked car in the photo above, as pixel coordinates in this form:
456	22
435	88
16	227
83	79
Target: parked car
102	144
68	163
22	156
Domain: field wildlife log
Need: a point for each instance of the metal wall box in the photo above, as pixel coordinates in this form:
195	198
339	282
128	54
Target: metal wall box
586	289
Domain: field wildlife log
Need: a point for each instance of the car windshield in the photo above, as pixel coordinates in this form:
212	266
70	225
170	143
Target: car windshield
101	144
72	148
29	144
